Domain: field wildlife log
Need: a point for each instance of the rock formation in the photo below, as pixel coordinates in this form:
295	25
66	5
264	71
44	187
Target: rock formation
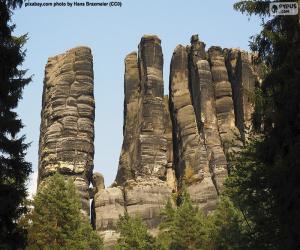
191	161
223	97
243	80
145	178
168	141
67	120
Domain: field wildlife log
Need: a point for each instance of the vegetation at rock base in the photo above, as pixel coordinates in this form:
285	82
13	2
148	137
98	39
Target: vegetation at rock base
187	227
56	222
134	234
183	227
14	170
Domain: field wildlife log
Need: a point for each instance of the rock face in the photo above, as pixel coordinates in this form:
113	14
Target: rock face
145	178
243	80
67	119
168	141
223	97
191	162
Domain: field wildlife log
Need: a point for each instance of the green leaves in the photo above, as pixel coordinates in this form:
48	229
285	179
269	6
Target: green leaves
260	8
183	227
264	182
134	235
56	221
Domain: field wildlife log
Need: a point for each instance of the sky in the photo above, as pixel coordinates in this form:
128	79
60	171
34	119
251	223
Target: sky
112	33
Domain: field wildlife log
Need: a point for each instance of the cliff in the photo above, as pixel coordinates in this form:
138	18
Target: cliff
168	141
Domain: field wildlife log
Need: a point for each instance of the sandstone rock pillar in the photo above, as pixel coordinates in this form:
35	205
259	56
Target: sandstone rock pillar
243	81
67	120
191	160
223	97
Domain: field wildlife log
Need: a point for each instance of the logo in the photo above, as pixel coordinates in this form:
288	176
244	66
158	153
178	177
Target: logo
283	8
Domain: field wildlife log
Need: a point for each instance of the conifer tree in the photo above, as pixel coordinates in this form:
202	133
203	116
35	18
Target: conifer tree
14	170
264	179
227	227
57	222
134	235
184	227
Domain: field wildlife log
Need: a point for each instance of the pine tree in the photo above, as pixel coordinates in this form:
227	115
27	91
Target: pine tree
228	229
56	221
264	179
134	235
14	170
184	227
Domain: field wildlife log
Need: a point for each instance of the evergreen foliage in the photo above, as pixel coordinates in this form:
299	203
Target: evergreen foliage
184	227
187	228
264	179
56	222
134	235
14	170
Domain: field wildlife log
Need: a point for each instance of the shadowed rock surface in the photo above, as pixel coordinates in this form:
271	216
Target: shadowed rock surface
191	163
67	119
243	81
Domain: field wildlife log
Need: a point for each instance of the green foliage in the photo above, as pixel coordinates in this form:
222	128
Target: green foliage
249	188
56	221
228	228
184	227
265	179
134	235
187	227
14	170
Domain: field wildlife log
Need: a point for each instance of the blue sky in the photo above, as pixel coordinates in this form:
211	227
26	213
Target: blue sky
112	33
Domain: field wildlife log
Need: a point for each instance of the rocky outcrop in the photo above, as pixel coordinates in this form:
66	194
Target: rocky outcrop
203	95
145	178
191	161
132	102
223	97
67	120
168	141
243	81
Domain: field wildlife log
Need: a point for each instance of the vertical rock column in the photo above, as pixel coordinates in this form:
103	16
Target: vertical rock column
216	156
153	144
191	161
196	52
243	81
147	192
145	178
67	120
128	159
223	97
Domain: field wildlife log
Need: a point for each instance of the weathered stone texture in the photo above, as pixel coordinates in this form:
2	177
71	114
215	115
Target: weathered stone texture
145	177
243	80
67	119
216	156
223	97
153	144
191	164
132	102
145	198
170	171
167	140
